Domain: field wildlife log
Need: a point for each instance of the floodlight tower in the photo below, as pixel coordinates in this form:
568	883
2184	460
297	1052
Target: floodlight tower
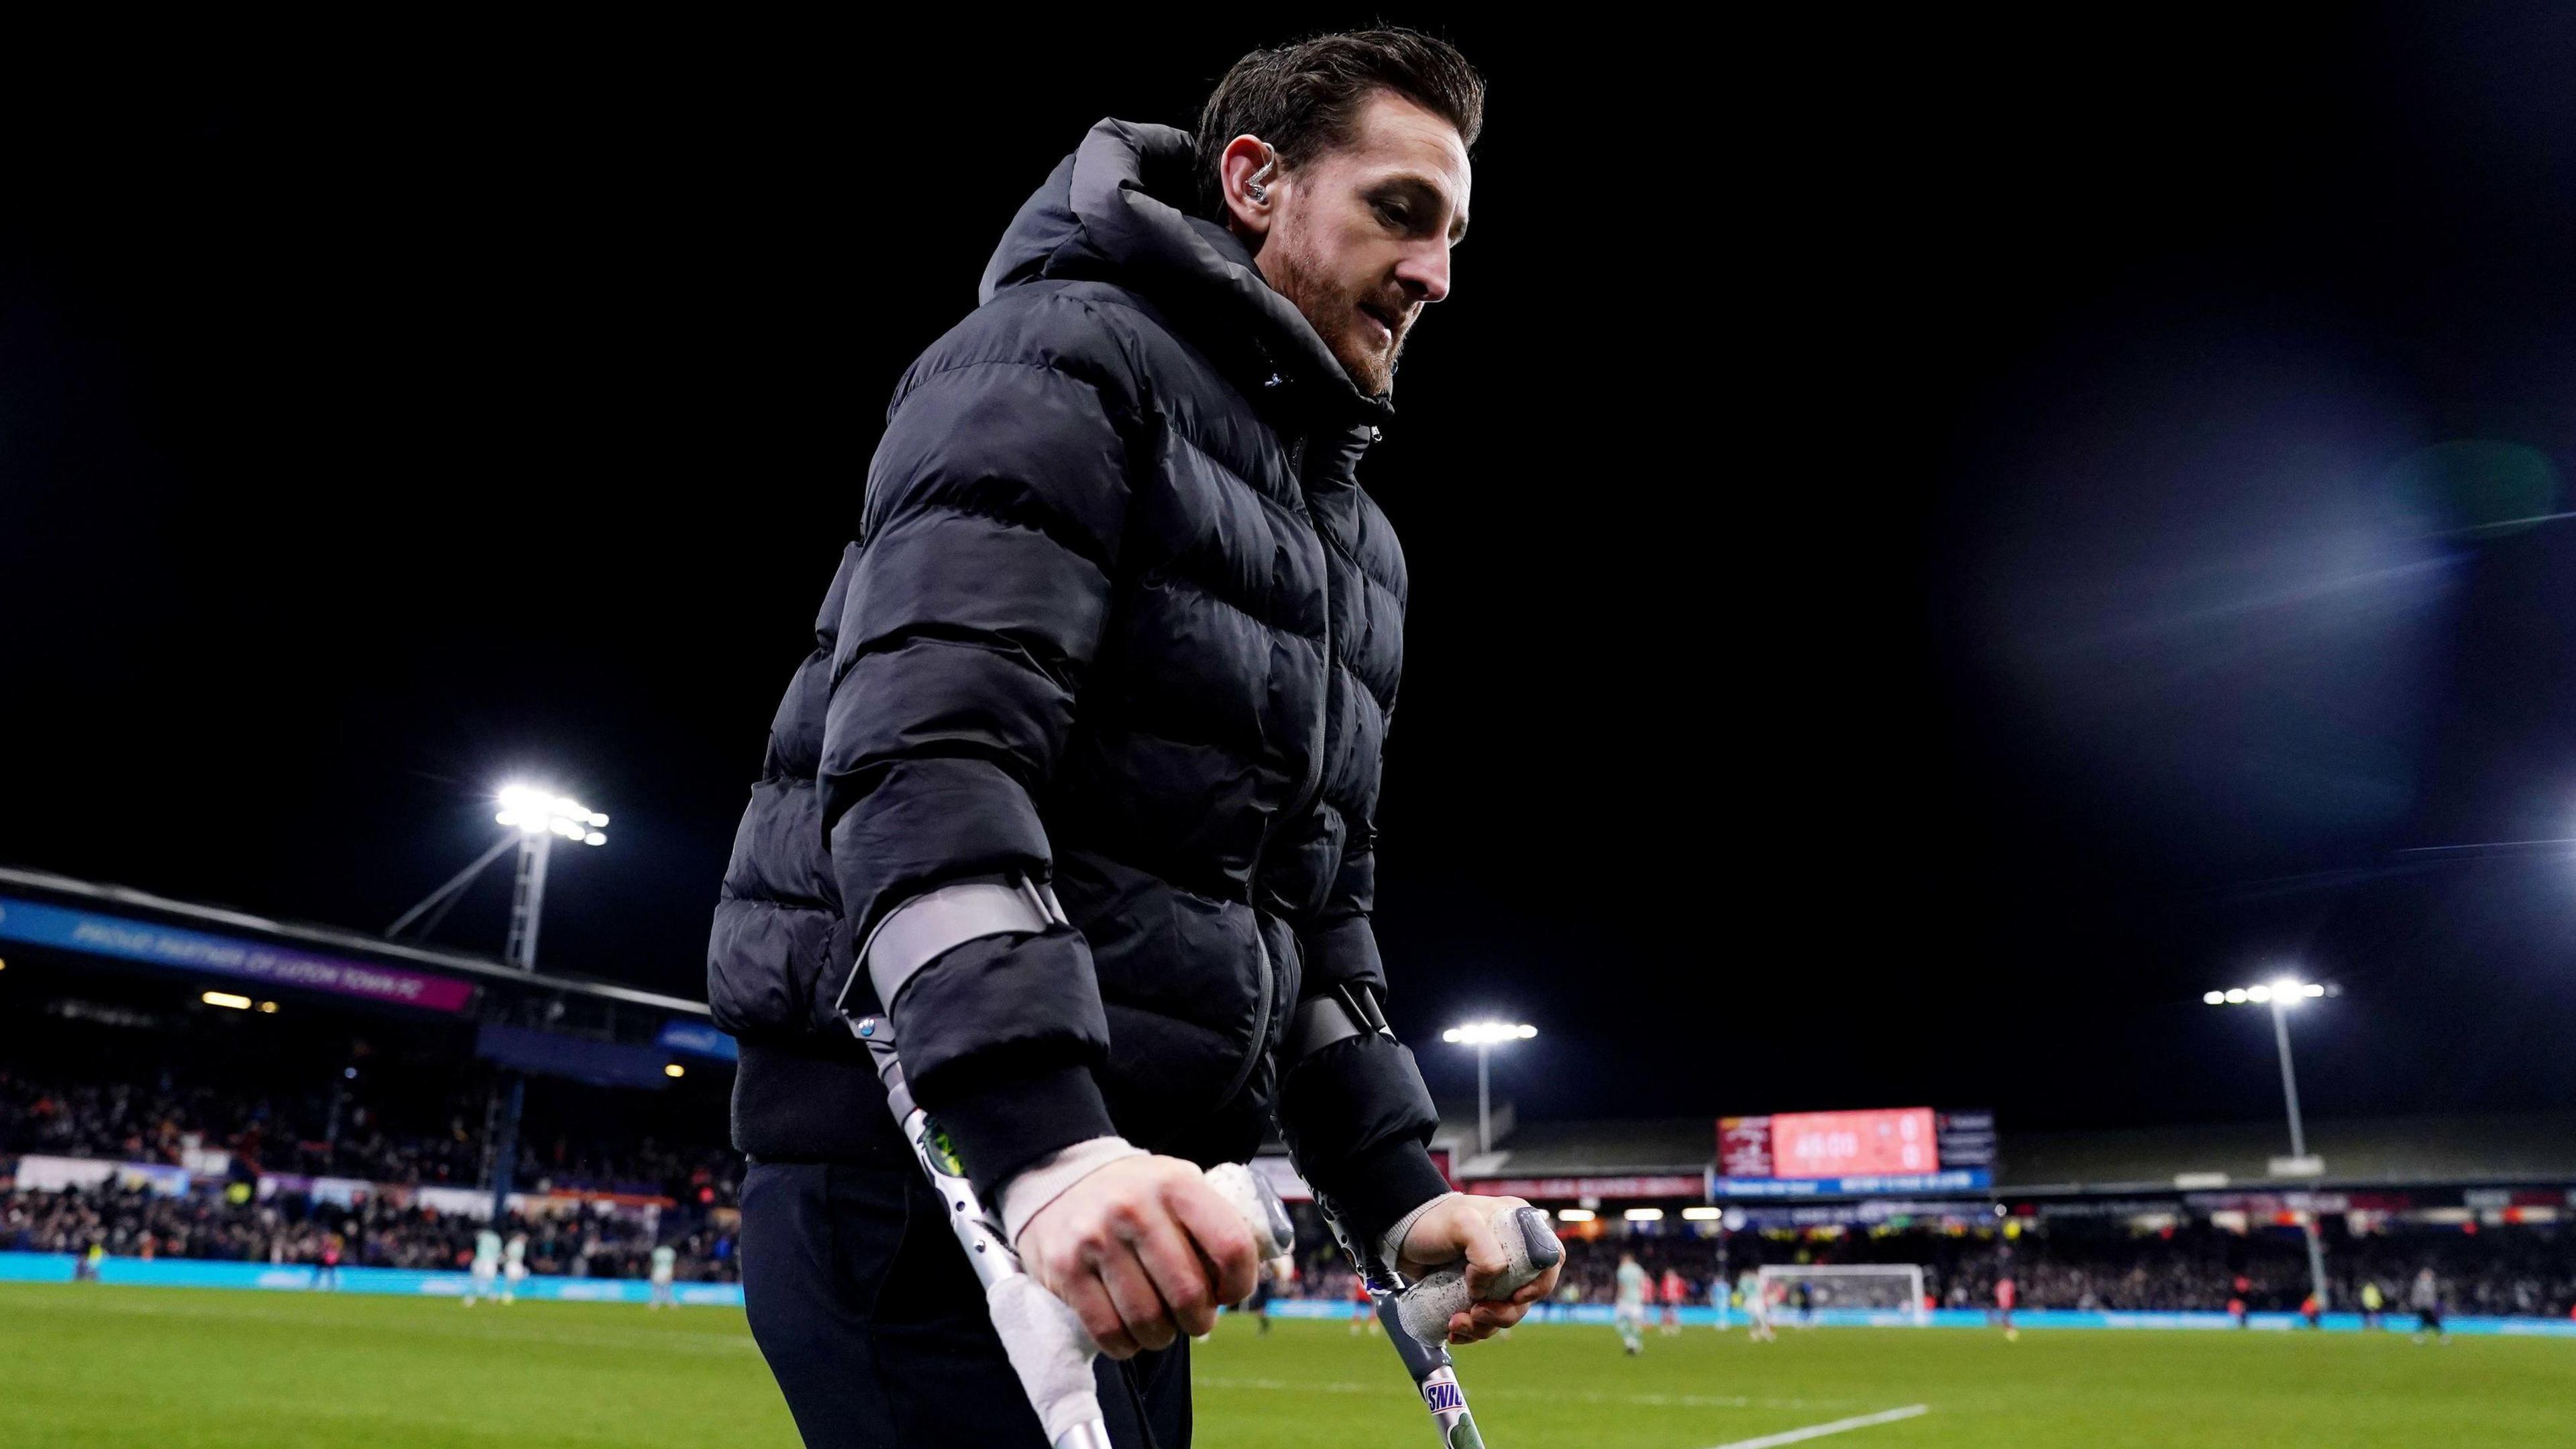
1484	1036
539	817
2284	995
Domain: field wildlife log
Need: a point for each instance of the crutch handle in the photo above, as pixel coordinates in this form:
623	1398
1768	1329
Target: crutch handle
1049	1349
1530	1248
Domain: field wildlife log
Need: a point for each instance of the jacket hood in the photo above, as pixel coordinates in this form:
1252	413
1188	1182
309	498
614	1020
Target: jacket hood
1116	210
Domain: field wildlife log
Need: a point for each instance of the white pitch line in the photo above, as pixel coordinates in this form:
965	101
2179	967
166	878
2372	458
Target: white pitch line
1838	1426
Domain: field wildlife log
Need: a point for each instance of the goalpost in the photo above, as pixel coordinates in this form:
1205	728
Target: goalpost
1889	1293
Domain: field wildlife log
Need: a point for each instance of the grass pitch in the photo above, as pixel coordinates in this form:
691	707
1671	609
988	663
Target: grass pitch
147	1368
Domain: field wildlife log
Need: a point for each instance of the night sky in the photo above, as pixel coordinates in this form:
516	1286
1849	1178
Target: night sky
1931	547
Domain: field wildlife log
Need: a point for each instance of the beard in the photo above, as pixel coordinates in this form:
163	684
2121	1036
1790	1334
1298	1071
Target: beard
1333	310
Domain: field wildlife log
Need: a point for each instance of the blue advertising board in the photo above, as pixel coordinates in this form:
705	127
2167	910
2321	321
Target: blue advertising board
301	1278
1963	1179
248	963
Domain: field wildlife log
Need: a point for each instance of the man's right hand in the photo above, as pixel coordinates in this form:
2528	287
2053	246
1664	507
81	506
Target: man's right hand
1143	1251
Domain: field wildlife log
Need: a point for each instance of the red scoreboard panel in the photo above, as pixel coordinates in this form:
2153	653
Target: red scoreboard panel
1854	1144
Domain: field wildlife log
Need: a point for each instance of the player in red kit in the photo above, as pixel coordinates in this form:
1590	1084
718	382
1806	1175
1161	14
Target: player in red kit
2006	1295
1672	1291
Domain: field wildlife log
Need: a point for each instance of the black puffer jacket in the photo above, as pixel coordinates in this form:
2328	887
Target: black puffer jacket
1122	619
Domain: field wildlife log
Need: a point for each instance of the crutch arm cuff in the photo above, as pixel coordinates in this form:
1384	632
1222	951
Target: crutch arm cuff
1003	1126
1382	1187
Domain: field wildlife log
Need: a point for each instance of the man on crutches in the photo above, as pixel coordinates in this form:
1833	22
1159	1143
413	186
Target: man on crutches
1076	792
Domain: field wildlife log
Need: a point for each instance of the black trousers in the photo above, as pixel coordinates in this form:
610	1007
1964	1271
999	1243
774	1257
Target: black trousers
862	1302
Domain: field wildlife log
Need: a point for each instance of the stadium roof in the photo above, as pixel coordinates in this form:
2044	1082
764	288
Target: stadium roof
1596	1149
480	970
2362	1152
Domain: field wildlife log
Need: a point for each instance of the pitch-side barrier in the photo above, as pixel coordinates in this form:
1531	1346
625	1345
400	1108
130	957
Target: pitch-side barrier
1600	1314
557	1288
399	1282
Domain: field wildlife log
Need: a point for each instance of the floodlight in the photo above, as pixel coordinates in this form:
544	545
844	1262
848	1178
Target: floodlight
226	999
540	812
1488	1033
1484	1036
1702	1214
1574	1215
2282	993
675	1070
1644	1215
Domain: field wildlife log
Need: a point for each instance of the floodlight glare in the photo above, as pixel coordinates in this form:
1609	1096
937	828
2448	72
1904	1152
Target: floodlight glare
1574	1215
226	999
2214	998
1644	1215
675	1070
1487	1033
541	812
2258	994
2237	996
1702	1214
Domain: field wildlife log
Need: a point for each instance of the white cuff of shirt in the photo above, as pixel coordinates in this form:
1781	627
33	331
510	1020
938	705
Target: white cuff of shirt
1047	1179
1390	1249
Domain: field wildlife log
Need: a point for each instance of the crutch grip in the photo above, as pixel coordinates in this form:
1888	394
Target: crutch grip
1049	1350
1530	1248
1251	1194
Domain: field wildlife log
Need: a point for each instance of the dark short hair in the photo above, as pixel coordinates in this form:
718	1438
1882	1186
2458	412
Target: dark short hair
1305	98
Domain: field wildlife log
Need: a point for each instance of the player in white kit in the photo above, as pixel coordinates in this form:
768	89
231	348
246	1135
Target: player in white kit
487	1265
514	1266
1757	1306
1634	1286
666	1261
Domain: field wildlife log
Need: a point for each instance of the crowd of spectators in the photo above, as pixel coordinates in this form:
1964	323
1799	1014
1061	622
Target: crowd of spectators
296	1229
2526	1270
2522	1270
336	1132
337	1129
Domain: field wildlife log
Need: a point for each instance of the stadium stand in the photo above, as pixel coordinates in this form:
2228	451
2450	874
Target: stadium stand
157	1103
2160	1220
137	1115
138	1222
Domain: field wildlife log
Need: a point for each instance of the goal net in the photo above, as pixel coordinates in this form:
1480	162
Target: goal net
1876	1294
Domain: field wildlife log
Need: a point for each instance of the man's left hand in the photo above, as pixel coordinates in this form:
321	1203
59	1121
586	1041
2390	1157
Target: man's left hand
1461	1225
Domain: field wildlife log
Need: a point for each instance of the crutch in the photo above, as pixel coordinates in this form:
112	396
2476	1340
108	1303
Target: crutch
1417	1314
1049	1349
